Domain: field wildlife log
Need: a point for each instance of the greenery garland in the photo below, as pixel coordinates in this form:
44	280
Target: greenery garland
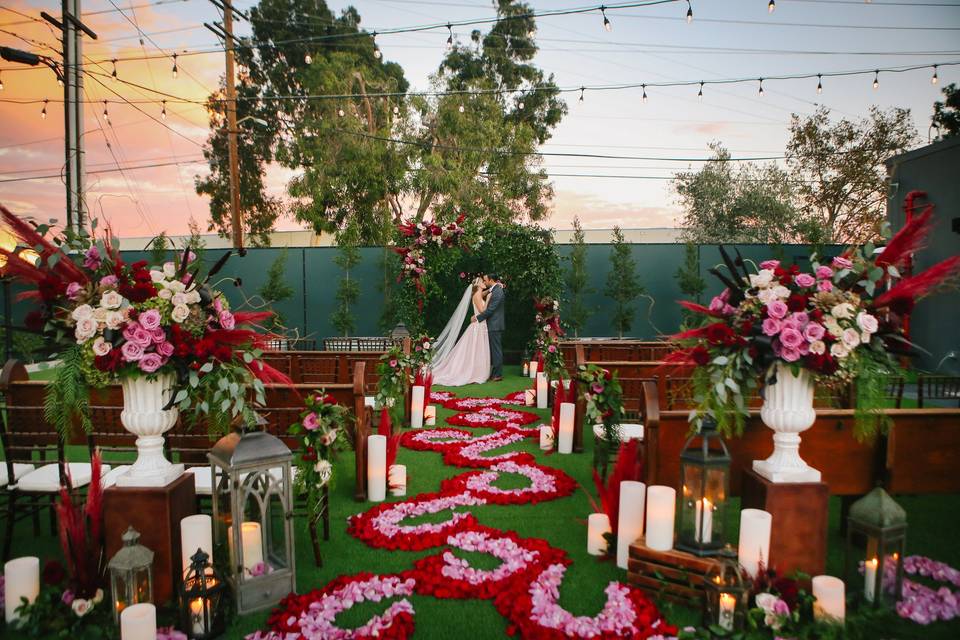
604	401
394	379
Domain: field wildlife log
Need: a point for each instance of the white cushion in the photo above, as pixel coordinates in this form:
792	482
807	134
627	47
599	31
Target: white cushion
370	401
627	431
203	478
47	478
18	471
110	478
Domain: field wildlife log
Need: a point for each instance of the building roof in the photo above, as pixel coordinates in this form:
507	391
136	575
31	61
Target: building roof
936	147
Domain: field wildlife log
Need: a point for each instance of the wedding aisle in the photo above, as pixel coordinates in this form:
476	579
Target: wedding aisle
511	502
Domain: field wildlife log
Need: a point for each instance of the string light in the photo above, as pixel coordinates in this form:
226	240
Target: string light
644	98
521	104
606	20
581	94
1	83
761	88
700	93
43	112
396	110
461	108
689	12
819	84
174	66
307	58
933	80
376	52
340	112
771	6
163	109
876	79
106	114
113	74
449	37
60	81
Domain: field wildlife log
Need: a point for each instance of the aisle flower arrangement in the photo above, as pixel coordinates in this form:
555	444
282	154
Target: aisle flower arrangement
603	397
109	320
319	430
394	380
547	338
842	321
421	352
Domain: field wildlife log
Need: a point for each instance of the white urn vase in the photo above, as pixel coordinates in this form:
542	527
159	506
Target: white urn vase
788	410
144	416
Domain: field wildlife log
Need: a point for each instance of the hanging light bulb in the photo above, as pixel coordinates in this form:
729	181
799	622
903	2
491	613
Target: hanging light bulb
376	51
174	66
644	98
819	84
1	84
60	81
43	112
761	88
689	12
934	79
113	75
163	109
606	20
461	108
396	110
106	114
771	6
876	79
700	93
521	104
307	58
581	94
341	112
449	37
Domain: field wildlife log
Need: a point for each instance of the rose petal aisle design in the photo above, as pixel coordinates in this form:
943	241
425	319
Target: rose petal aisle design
524	586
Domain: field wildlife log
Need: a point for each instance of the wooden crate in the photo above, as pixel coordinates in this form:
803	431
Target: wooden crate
673	575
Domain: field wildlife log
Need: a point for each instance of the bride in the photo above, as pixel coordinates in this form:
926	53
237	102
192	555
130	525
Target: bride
467	360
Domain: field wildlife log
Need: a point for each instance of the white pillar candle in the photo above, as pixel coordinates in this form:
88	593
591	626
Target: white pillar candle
533	368
398	479
430	415
829	596
416	406
754	546
196	532
542	391
139	622
728	606
22	577
251	540
661	507
196	617
565	435
704	513
526	368
530	397
376	468
597	525
869	579
546	437
630	519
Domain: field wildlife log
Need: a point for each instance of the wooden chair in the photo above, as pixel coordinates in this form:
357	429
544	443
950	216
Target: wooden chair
339	344
943	388
373	344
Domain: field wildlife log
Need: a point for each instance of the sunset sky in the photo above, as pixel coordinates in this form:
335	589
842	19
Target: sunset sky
727	39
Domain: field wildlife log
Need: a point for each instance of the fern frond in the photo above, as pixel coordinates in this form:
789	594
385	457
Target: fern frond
68	397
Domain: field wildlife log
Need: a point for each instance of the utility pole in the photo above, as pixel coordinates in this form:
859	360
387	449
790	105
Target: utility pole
236	222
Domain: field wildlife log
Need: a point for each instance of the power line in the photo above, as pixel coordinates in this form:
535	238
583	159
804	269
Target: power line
115	170
86	14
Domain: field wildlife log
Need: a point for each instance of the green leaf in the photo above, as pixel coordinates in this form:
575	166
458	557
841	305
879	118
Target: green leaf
893	271
180	397
207	367
721	360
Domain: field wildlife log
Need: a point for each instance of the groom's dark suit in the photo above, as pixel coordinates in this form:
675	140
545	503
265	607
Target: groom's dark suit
493	315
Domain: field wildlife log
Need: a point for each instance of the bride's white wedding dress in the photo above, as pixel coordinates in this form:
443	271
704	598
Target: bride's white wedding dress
463	361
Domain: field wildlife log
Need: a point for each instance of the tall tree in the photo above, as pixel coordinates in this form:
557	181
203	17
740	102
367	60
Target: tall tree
276	287
946	113
838	169
726	201
159	247
623	285
578	283
689	280
348	291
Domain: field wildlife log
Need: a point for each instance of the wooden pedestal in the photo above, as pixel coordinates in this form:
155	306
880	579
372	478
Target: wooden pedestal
673	575
798	539
156	513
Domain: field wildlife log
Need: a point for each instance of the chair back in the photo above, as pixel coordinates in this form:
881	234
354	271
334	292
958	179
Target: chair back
938	388
27	436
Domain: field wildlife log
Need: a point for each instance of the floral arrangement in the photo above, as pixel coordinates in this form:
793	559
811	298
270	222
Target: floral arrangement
421	354
547	338
112	320
394	379
603	399
842	321
417	236
321	424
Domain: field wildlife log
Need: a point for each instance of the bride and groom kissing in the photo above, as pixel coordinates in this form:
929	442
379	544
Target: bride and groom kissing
477	355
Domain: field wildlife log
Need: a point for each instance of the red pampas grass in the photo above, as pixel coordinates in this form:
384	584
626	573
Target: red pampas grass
81	534
922	284
627	467
385	428
699	308
908	240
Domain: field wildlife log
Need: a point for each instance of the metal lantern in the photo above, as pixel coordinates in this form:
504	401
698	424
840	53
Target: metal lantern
201	599
253	516
400	332
876	536
131	574
727	589
705	487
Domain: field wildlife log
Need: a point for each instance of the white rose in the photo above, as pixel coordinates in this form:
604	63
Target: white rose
850	337
818	347
157	276
867	322
101	347
193	297
833	326
180	313
81	607
766	601
426	346
178	299
324	469
100	315
111	300
781	291
176	286
865	337
842	311
762	279
165	294
169	269
86	329
114	319
766	296
81	312
838	350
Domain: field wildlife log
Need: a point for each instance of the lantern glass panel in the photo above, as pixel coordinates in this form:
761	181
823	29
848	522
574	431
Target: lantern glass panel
200	599
876	541
704	476
727	591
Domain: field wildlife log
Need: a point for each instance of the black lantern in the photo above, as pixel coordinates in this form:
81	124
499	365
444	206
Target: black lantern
705	487
876	537
399	333
201	596
131	574
727	588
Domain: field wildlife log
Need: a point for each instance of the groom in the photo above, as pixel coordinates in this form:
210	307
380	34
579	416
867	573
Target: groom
493	314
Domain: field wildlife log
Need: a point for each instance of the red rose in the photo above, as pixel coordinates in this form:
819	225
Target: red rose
901	305
700	355
139	265
329	399
53	573
719	333
108	362
797	302
51	287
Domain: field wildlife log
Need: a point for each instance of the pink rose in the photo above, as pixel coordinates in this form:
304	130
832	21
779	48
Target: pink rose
108	281
770	264
165	349
91	259
393	364
311	422
771	327
805	280
597	387
842	263
824	272
227	321
73	290
158	335
791	338
824	285
813	332
142	337
552	348
777	309
150	362
800	318
131	351
790	354
150	319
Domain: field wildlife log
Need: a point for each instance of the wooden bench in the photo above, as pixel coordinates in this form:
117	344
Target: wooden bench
291	344
372	343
